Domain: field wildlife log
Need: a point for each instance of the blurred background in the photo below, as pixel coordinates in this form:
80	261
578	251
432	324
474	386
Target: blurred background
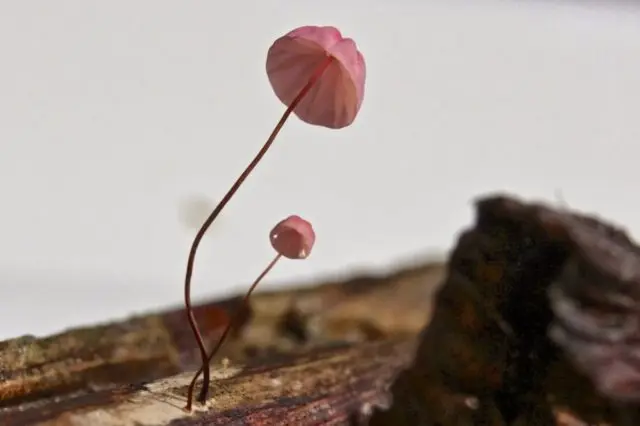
122	123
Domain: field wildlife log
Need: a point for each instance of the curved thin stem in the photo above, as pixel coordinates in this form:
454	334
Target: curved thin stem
214	214
245	301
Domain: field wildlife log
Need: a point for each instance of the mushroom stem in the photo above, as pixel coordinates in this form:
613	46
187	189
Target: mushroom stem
202	397
214	214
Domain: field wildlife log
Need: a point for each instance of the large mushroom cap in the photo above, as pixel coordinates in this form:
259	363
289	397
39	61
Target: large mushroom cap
334	101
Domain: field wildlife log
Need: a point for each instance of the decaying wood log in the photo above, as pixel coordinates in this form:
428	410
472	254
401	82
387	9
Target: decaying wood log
487	357
336	386
535	324
99	359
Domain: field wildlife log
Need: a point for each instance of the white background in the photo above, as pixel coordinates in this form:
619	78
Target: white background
121	122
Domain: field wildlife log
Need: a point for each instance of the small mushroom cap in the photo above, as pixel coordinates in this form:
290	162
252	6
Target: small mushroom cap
293	237
335	99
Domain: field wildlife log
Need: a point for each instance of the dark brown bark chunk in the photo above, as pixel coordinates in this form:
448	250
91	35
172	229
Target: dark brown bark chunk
537	318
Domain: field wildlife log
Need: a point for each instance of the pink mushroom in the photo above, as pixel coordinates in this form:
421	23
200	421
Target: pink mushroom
292	238
318	51
320	76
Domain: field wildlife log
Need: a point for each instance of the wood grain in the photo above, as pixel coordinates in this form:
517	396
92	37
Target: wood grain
333	386
100	360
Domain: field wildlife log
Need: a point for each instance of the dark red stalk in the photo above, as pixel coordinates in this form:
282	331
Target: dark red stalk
232	322
205	226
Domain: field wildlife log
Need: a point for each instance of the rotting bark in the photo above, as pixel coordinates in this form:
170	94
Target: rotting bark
487	357
535	324
155	346
331	386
